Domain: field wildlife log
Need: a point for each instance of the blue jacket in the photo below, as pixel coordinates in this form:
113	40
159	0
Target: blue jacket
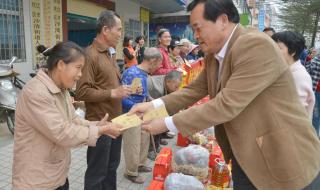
127	78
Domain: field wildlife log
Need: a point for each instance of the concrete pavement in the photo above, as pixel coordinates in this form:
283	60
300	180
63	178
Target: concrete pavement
77	170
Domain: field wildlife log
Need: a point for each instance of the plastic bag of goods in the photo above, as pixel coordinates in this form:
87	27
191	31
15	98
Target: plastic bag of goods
80	113
192	160
178	181
209	133
198	138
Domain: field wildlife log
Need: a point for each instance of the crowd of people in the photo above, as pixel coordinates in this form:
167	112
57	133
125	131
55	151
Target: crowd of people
264	95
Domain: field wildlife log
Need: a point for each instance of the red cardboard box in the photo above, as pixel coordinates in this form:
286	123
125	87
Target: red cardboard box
162	166
166	151
182	141
156	185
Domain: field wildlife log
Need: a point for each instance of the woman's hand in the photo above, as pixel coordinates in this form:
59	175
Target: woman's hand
110	129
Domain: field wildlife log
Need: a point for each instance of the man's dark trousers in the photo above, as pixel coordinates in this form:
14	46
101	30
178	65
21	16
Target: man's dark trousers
242	182
103	161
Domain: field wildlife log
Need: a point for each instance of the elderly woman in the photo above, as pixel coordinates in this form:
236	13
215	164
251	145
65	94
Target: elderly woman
164	40
291	45
174	53
46	124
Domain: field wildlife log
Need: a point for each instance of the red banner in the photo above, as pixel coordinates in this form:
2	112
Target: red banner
191	71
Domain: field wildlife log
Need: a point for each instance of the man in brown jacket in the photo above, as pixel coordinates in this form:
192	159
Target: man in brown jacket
259	121
100	89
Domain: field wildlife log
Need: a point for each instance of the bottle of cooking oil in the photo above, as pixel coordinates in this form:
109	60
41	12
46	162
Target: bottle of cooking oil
220	174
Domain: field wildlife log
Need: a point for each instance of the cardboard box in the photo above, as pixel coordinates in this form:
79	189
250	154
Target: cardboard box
182	141
162	166
156	185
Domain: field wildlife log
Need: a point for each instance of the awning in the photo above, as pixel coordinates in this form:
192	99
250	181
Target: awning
79	22
163	6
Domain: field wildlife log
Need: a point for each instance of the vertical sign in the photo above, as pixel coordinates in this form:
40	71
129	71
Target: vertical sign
46	25
144	15
261	17
36	23
57	15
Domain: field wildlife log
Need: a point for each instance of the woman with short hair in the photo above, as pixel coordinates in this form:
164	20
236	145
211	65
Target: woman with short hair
291	45
164	39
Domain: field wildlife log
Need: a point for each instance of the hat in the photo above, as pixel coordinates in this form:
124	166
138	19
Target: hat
175	43
192	47
184	40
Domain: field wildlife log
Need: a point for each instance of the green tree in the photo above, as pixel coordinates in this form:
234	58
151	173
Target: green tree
302	16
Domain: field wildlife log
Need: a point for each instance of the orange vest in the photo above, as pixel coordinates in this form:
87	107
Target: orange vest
129	63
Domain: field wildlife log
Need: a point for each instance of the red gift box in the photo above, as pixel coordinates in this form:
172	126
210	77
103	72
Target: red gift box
166	151
162	166
156	185
182	141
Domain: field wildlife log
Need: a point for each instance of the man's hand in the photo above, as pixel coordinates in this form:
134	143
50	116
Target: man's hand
139	90
110	129
141	108
121	92
137	48
155	126
103	121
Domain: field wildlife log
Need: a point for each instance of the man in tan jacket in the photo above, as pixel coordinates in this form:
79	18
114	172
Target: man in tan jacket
259	122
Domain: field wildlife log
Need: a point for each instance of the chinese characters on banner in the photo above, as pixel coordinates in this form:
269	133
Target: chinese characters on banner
57	20
46	25
191	71
36	15
47	22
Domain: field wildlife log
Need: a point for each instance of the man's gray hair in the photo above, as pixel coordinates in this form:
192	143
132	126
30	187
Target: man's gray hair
152	53
173	75
106	18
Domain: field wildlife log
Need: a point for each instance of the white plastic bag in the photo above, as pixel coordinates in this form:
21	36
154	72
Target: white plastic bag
178	181
79	112
192	160
209	132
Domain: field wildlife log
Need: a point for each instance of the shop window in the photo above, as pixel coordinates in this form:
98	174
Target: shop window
12	38
146	32
133	28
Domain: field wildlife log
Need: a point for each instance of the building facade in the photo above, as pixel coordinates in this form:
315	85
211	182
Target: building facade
24	24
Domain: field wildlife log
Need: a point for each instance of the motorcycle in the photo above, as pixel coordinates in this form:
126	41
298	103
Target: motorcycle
10	87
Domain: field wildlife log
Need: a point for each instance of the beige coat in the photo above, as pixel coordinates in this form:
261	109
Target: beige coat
256	112
46	129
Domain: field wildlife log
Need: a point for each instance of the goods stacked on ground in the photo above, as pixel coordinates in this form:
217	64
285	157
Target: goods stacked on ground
199	164
195	162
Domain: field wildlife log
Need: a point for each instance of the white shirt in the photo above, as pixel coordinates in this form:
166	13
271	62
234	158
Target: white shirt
112	51
303	84
222	53
220	57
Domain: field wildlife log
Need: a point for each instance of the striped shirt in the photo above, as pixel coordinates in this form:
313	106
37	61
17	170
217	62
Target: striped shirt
313	68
